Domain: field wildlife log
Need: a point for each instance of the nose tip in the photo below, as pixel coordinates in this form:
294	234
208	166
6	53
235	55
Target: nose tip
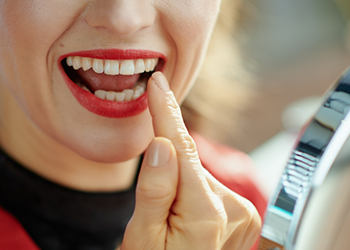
122	17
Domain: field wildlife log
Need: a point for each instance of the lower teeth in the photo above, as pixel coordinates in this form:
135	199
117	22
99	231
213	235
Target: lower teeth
125	95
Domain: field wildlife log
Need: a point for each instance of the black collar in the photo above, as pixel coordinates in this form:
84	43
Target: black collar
57	217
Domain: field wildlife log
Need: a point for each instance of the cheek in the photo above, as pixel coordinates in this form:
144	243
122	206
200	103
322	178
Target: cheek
189	23
28	30
35	24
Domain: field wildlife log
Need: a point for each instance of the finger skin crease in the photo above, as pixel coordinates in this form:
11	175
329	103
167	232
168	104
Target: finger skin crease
171	102
252	227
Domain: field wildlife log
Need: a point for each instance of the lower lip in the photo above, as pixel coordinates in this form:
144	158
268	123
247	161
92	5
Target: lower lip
105	108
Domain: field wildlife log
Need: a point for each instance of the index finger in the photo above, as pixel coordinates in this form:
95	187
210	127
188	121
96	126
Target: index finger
168	123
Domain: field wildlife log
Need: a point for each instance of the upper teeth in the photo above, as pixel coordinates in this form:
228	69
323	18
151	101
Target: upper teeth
113	67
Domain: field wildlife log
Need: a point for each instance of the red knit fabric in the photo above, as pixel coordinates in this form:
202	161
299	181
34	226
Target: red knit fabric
12	234
231	167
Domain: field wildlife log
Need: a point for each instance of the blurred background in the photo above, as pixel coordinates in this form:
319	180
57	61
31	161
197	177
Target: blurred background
295	50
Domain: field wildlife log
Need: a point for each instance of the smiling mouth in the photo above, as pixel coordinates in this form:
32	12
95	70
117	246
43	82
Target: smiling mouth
113	80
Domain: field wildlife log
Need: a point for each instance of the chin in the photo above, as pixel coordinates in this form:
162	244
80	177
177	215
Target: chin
108	156
109	152
114	146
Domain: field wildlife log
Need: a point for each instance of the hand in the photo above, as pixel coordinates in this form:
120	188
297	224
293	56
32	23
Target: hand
179	205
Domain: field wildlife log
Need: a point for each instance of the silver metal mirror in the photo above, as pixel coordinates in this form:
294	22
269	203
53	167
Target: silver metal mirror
310	209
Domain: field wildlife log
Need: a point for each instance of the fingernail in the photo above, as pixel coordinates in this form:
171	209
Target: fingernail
158	152
160	81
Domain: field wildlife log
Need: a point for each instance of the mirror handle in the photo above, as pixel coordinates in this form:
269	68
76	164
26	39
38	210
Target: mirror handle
266	244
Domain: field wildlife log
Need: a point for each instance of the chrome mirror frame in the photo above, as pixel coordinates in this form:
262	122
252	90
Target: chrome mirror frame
310	162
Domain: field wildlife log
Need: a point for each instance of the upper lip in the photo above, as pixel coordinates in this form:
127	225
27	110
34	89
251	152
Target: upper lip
105	107
116	54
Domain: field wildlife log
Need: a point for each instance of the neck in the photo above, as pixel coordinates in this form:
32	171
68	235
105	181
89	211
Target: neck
41	154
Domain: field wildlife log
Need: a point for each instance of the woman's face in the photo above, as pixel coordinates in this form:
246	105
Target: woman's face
37	37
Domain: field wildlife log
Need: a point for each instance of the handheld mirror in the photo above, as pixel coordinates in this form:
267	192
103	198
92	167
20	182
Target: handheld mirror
310	208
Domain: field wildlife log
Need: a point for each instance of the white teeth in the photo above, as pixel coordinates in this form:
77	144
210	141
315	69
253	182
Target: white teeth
139	66
148	65
129	93
86	63
127	67
114	67
137	94
111	67
141	88
110	95
120	96
97	66
154	63
101	94
77	62
125	96
70	60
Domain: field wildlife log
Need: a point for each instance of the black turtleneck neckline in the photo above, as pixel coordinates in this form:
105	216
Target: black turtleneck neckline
59	218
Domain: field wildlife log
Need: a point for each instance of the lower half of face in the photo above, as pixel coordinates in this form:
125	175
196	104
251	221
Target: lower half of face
108	134
79	73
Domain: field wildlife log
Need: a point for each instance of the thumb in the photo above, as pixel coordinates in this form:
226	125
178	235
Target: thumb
155	192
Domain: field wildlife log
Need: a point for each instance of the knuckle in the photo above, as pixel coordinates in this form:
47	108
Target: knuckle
171	101
185	144
216	216
217	210
171	108
253	216
147	192
213	231
244	225
254	224
252	221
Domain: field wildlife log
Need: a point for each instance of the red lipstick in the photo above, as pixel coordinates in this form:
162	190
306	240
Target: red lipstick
116	54
112	109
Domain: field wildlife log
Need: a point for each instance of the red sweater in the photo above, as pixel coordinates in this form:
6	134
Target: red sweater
231	167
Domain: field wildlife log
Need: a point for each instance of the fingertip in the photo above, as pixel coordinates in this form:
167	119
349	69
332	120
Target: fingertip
157	182
159	152
161	82
162	105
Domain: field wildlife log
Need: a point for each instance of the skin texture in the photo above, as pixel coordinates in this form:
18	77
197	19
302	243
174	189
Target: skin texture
179	205
35	33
